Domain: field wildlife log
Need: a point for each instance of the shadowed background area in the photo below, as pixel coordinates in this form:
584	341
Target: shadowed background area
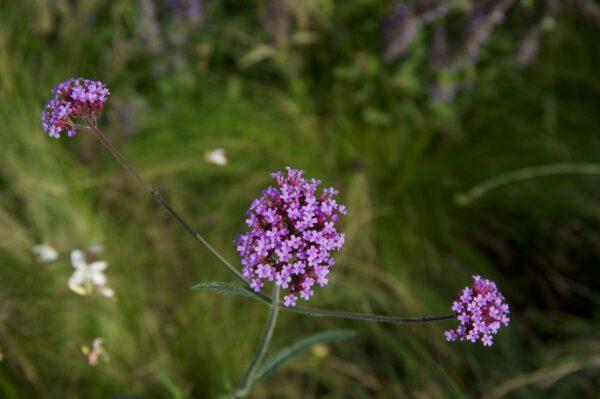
401	105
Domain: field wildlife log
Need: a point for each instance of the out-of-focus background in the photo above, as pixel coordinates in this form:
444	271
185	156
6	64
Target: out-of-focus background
401	104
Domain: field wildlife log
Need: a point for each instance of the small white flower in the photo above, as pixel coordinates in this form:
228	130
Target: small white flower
216	157
88	278
94	353
45	253
107	292
96	249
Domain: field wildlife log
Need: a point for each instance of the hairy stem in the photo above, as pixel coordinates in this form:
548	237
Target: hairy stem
482	188
263	345
161	200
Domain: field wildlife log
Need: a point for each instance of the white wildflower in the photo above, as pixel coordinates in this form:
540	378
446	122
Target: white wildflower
96	352
107	292
96	249
45	253
88	277
216	157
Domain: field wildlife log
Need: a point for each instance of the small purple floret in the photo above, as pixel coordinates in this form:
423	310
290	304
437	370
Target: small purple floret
74	98
292	236
480	310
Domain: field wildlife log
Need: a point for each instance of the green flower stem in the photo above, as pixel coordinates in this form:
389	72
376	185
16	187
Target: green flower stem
367	317
263	346
298	309
160	199
482	188
351	315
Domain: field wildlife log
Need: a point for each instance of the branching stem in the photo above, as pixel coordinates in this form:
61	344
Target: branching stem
259	296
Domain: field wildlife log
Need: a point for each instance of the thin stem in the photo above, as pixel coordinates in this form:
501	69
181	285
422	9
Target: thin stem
351	315
368	317
482	188
161	200
259	296
263	345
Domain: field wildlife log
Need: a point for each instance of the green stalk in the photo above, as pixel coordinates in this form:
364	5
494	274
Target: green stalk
161	200
338	314
263	346
367	317
298	309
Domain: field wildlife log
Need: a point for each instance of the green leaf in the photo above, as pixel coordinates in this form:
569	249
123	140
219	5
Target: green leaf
174	390
226	288
273	363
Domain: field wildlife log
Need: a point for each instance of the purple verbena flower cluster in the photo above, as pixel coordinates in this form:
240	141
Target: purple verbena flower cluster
480	310
73	98
292	234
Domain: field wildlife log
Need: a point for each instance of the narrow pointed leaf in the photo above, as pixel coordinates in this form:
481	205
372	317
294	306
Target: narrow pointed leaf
274	363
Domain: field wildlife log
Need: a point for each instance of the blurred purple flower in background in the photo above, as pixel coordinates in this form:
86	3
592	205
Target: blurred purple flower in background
480	310
148	28
527	49
277	19
292	236
432	9
399	30
485	16
190	10
444	88
404	22
74	98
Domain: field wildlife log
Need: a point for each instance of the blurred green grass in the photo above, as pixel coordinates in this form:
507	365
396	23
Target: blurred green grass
409	247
